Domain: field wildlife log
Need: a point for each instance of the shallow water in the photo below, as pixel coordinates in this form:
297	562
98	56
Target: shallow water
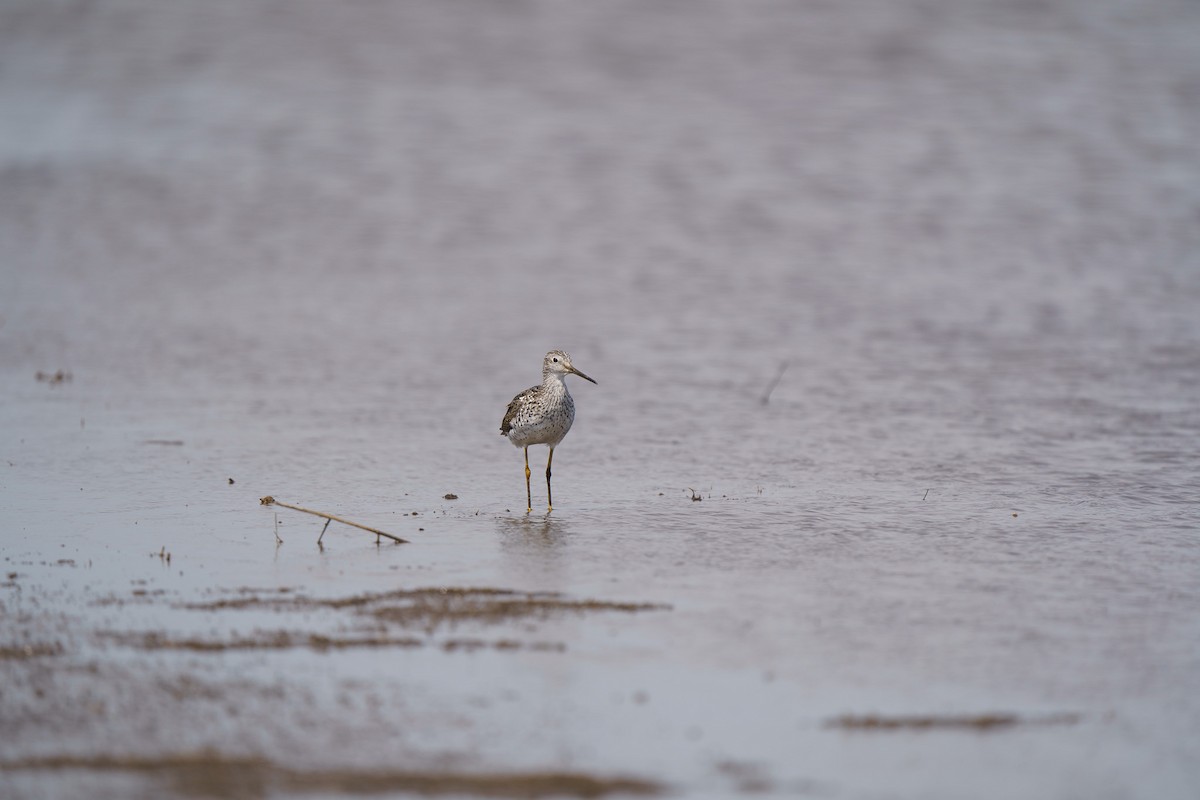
904	293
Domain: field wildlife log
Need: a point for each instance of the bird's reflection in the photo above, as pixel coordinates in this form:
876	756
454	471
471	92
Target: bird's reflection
532	533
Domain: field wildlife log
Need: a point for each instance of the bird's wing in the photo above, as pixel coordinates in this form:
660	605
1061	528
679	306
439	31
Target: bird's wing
514	408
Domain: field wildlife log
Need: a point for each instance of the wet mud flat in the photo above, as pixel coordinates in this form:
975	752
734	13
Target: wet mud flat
250	692
62	673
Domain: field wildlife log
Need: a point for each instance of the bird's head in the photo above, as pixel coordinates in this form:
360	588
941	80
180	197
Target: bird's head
559	363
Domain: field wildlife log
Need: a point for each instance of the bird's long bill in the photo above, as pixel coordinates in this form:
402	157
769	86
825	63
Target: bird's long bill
580	374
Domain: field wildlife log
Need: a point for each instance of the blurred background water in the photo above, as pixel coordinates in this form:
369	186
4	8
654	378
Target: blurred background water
906	292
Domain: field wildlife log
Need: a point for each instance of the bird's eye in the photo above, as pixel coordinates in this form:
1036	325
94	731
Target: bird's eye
556	361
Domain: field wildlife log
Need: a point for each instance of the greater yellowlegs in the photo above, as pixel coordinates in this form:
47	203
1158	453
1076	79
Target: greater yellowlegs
542	415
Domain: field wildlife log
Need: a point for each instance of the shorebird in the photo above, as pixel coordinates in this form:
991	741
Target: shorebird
542	415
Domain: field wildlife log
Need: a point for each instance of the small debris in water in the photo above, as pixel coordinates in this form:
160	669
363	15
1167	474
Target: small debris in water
766	397
56	378
231	481
748	777
450	496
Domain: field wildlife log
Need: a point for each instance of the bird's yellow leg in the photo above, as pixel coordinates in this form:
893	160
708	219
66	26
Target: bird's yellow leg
549	498
528	493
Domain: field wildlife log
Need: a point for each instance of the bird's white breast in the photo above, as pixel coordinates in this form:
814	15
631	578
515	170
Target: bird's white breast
544	417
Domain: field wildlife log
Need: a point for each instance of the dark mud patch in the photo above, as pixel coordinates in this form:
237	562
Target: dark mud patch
284	640
471	645
210	774
968	722
274	640
431	609
404	613
135	597
30	651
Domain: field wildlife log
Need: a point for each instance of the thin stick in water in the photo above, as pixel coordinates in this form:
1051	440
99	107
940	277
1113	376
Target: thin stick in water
766	398
268	501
